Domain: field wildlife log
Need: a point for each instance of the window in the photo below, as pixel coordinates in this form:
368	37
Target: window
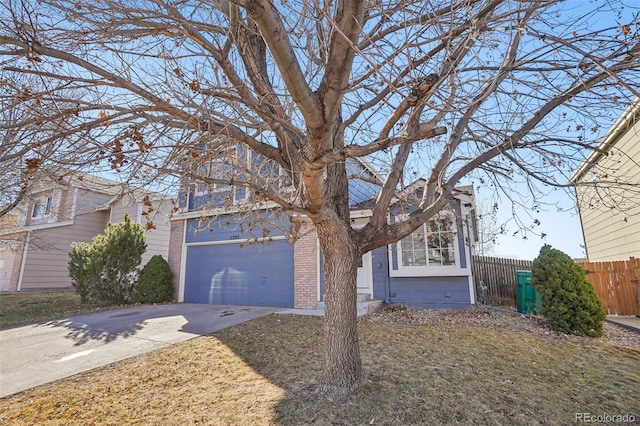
430	250
232	163
228	164
42	207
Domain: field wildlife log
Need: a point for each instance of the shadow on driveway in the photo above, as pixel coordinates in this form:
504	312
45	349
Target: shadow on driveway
41	353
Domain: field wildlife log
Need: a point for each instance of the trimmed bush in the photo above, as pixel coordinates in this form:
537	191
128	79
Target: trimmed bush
106	270
568	300
155	282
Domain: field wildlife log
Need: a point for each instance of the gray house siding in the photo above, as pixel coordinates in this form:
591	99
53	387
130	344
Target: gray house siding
431	292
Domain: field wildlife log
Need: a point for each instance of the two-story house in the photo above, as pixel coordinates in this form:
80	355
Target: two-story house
220	259
67	207
607	186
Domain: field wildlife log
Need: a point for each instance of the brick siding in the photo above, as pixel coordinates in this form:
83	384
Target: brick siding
175	253
305	275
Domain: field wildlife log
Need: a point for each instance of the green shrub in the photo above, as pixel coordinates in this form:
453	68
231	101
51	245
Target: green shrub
155	282
569	301
106	270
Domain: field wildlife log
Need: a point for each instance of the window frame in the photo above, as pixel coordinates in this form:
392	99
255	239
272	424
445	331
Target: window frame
42	206
397	269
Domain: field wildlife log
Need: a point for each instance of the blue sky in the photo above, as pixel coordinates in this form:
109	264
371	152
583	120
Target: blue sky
559	218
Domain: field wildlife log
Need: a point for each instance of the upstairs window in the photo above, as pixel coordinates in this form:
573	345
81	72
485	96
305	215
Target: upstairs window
42	207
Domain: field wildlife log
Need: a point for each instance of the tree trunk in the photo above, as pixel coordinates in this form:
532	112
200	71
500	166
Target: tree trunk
342	368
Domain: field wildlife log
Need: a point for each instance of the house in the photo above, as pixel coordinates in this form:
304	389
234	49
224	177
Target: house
607	187
66	207
217	258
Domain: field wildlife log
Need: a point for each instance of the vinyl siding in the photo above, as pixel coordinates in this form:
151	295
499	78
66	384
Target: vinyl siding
48	254
431	292
611	218
158	238
88	201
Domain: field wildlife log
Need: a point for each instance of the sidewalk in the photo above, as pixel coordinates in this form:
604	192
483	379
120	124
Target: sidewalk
628	321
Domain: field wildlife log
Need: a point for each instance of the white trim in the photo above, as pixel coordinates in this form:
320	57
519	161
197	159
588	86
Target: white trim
431	270
472	291
47	225
183	263
619	128
139	214
238	241
354	214
23	261
367	266
74	203
55	205
318	295
218	211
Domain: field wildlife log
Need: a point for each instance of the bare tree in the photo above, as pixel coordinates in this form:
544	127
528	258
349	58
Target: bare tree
511	92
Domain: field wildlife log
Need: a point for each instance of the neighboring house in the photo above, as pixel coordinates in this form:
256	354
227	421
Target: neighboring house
607	186
67	207
216	260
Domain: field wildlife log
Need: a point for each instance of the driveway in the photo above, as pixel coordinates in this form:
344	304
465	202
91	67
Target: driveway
41	353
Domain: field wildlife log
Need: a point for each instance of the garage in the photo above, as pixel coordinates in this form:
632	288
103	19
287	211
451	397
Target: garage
227	274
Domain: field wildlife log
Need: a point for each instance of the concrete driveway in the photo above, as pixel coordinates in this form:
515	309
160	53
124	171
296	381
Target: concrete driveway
41	353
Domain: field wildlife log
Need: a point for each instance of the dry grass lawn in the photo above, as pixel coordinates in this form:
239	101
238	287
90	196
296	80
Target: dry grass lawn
263	372
18	309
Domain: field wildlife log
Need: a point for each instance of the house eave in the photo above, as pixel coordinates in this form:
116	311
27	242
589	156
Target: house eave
618	129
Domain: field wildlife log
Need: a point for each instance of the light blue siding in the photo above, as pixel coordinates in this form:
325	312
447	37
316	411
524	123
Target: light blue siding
256	275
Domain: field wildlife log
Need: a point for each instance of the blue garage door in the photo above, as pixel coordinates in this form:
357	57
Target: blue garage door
256	275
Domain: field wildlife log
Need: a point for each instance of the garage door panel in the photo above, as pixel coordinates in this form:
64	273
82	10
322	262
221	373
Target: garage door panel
255	275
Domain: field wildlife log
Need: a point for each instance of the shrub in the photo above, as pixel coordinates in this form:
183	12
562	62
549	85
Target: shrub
106	270
568	300
155	282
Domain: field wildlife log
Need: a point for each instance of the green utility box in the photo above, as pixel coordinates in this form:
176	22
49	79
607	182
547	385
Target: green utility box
527	297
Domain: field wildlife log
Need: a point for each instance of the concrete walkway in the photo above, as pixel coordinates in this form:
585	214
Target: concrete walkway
42	353
628	321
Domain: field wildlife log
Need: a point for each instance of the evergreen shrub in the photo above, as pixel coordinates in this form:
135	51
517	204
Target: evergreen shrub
106	270
568	300
155	282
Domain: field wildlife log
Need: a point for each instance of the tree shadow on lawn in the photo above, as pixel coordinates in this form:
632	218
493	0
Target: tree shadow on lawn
439	375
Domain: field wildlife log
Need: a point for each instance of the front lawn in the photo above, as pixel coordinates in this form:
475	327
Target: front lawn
442	370
25	308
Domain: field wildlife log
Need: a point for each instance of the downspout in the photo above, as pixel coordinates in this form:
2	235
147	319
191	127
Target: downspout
24	260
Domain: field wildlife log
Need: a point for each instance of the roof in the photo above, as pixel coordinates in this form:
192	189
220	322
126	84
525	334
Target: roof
619	128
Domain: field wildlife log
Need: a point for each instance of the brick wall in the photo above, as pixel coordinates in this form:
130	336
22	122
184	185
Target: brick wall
305	275
176	236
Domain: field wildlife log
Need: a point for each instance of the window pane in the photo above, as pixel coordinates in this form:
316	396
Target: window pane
448	257
434	257
413	249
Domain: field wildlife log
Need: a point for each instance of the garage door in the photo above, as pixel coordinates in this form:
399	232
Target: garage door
256	275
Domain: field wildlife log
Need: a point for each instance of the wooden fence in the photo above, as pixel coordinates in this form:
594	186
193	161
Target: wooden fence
497	276
617	284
